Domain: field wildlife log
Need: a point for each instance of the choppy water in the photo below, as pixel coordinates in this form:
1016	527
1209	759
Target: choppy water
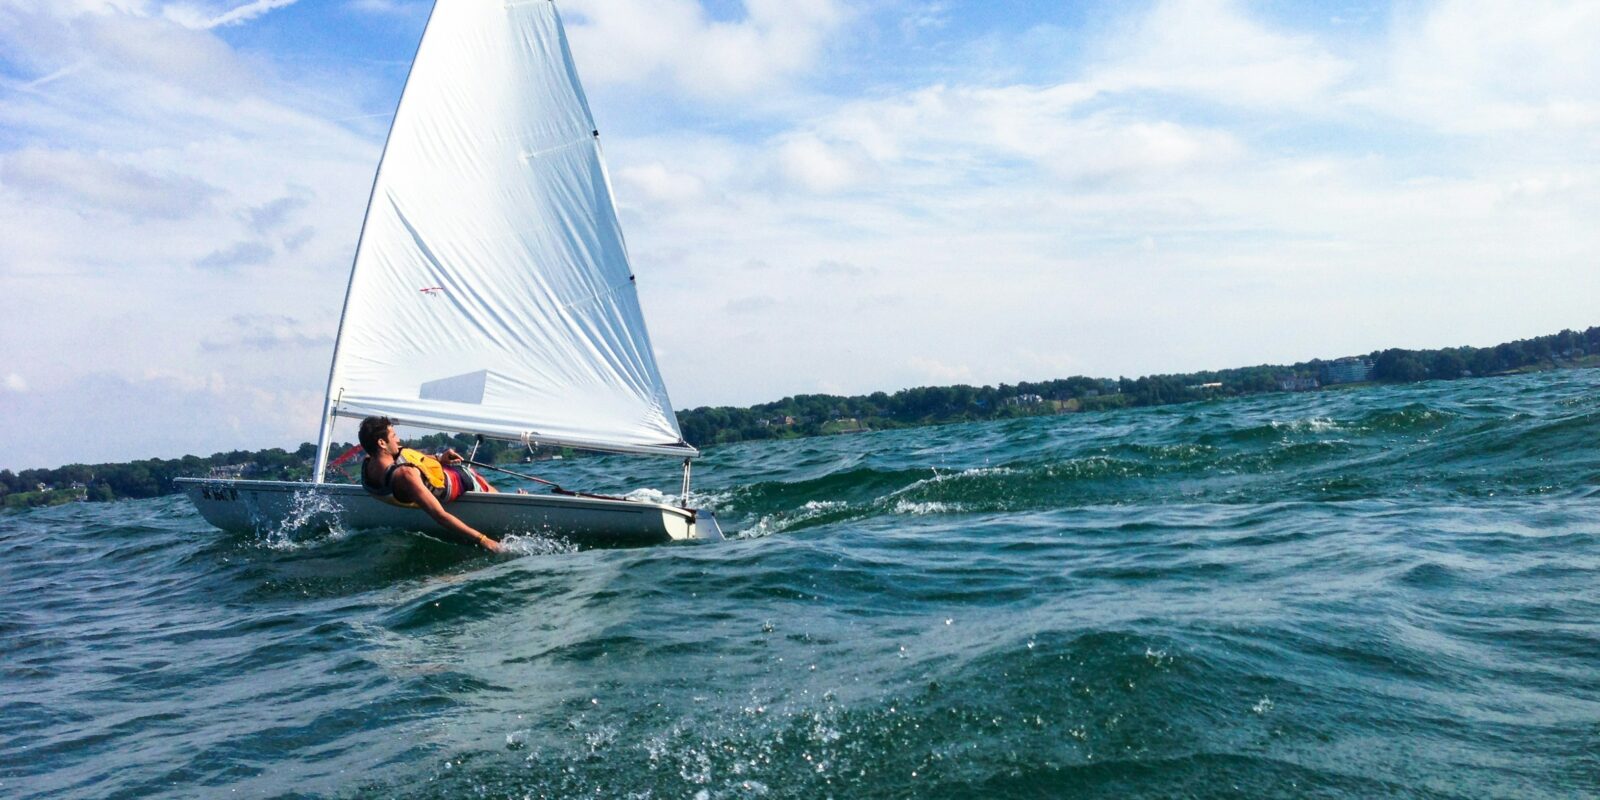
1379	593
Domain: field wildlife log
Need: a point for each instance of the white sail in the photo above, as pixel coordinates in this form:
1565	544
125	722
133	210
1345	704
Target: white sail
492	291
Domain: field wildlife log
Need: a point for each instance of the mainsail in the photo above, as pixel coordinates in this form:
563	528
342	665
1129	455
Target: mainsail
491	291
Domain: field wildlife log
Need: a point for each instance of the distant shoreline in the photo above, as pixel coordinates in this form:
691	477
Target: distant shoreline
812	415
803	416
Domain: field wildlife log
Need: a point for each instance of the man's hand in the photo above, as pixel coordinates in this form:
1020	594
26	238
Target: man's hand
450	456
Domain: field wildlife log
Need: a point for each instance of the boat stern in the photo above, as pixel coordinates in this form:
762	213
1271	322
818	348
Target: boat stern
706	527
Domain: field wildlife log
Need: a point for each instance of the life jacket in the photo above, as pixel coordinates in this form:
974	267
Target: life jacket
444	482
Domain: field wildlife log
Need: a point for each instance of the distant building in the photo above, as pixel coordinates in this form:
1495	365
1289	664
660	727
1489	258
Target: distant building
1297	383
1023	400
845	425
1347	370
228	471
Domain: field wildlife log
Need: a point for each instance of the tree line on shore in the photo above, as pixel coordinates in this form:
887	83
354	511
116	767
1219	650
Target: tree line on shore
810	415
819	414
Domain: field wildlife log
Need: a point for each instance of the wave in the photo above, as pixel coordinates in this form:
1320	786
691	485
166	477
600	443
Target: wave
1213	600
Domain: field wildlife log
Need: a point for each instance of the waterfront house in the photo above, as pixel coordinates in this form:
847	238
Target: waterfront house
1347	370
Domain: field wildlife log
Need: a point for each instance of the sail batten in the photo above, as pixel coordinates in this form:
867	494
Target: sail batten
492	291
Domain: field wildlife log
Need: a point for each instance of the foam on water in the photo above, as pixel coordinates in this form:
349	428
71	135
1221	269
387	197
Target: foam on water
1309	425
925	507
810	511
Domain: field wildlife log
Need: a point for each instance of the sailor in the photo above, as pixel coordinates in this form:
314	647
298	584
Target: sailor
405	477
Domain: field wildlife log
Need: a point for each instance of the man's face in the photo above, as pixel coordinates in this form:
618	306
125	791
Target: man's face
390	443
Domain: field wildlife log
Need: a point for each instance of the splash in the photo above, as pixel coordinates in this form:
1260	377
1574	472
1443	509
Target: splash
310	513
536	544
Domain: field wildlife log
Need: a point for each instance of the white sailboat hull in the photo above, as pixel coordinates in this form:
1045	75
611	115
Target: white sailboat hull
268	506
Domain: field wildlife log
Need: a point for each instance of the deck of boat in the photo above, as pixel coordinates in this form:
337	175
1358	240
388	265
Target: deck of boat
263	506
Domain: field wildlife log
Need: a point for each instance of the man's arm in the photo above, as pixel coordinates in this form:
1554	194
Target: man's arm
463	533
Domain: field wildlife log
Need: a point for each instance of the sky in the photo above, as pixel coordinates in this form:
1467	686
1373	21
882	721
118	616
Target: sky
839	196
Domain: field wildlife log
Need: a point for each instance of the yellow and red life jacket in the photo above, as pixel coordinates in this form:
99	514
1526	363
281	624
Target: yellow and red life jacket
444	482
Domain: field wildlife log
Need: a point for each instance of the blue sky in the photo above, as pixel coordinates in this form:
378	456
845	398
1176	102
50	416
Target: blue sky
820	195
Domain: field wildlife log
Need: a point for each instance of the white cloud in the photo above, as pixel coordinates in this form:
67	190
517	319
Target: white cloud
267	333
657	184
1470	66
1023	231
159	414
132	51
89	181
1213	49
390	6
239	254
148	148
935	135
212	15
938	371
619	41
276	213
816	166
15	382
924	16
839	269
751	305
69	8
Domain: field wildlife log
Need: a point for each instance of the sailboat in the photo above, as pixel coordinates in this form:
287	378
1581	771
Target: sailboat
491	294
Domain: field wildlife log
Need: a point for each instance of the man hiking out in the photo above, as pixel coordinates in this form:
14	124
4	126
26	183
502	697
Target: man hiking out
406	477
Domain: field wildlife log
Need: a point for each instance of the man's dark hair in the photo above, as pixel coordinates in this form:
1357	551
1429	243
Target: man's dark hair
373	429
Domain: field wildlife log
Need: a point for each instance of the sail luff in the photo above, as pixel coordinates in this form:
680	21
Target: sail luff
325	429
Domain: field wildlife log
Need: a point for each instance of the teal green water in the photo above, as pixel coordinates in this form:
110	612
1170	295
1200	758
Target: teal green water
1388	592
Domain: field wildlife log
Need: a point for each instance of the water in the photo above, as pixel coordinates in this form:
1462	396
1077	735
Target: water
1387	592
